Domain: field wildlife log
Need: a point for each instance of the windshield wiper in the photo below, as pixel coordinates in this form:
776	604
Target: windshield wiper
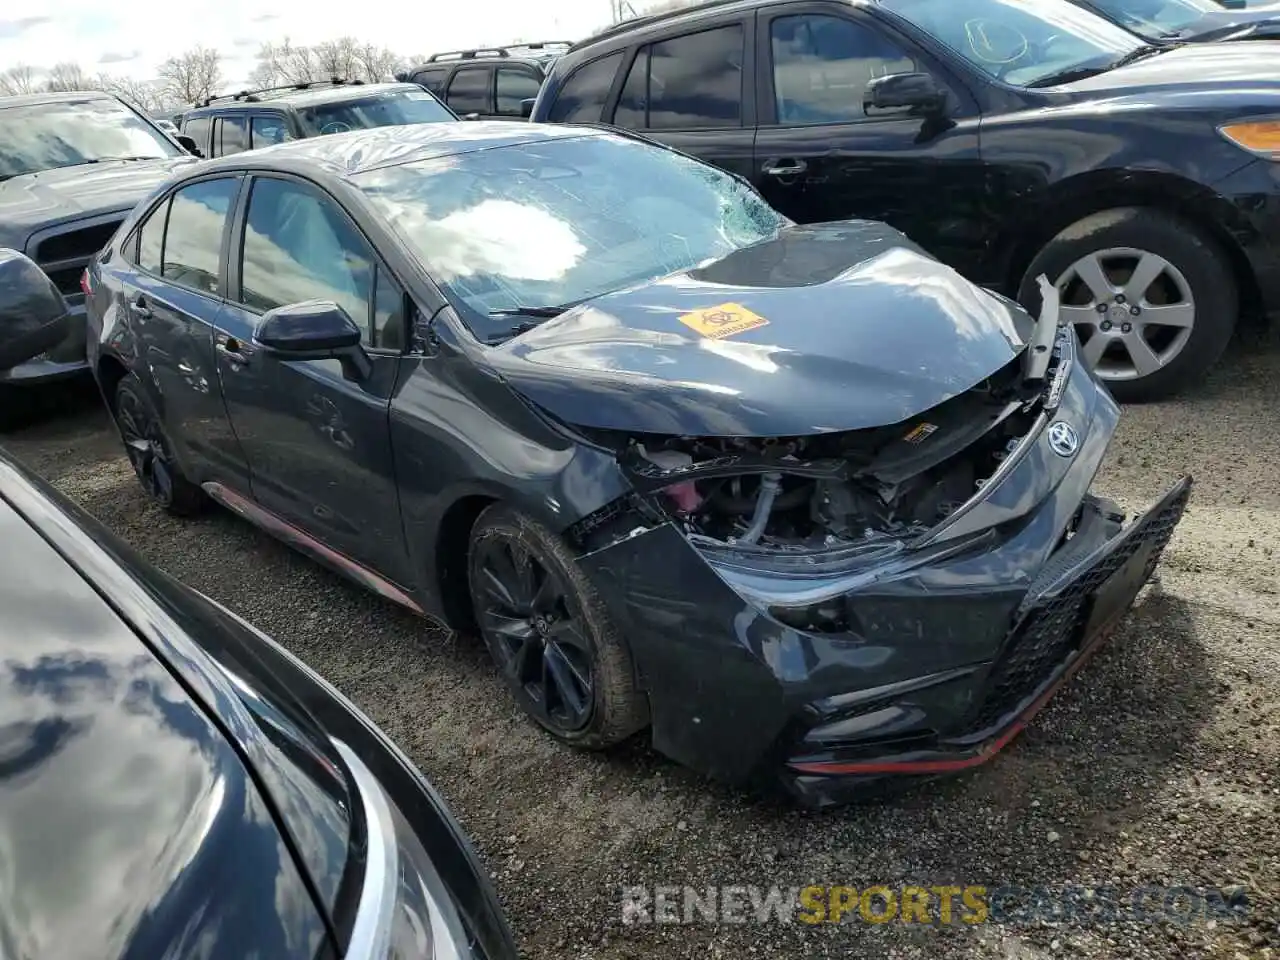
1072	74
545	312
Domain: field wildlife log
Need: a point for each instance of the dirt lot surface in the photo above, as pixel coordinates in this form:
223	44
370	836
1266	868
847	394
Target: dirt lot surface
1158	765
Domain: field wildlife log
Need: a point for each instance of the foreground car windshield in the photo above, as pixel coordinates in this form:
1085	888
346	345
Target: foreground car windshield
384	110
43	136
559	221
1020	41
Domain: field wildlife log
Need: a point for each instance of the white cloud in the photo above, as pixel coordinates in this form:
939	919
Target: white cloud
86	30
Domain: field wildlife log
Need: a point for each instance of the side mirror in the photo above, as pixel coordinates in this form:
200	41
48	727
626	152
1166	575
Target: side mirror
526	107
188	144
313	330
918	93
34	317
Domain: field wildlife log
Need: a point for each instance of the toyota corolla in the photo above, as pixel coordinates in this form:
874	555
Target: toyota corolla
799	501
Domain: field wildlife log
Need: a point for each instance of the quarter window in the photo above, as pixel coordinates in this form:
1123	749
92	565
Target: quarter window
433	80
151	239
581	99
299	246
193	237
823	65
388	312
469	91
514	87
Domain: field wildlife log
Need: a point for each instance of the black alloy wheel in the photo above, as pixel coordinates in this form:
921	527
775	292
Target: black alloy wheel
149	452
549	634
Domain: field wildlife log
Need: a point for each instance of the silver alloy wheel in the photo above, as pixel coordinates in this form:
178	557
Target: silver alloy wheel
1132	309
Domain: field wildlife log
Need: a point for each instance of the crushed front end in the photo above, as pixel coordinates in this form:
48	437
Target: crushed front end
843	607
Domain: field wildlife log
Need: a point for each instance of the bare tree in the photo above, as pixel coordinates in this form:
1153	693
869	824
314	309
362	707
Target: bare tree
192	76
143	94
337	58
378	63
67	76
284	62
19	79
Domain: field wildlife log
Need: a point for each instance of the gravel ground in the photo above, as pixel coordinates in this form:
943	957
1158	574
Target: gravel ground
1158	765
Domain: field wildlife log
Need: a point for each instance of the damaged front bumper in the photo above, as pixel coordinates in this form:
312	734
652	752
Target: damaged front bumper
928	663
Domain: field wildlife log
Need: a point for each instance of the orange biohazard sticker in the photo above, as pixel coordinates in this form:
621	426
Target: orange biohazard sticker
725	320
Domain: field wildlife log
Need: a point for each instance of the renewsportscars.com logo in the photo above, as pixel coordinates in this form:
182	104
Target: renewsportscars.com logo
932	905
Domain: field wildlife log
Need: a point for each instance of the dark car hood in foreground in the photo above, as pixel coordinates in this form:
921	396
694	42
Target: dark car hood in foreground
41	199
862	329
129	828
1203	67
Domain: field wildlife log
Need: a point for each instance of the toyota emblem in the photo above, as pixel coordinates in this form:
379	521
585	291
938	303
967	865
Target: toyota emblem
1063	438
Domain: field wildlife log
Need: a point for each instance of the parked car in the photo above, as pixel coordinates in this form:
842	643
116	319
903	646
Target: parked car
1008	138
1166	21
678	460
175	784
72	165
252	119
494	84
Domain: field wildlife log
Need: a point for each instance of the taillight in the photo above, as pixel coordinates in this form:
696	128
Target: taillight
84	283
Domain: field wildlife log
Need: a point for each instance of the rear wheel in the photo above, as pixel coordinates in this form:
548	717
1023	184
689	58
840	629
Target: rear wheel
150	453
549	633
1152	298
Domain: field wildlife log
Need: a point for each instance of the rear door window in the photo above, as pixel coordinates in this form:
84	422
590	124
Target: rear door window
230	135
582	98
696	80
514	86
469	91
267	129
193	237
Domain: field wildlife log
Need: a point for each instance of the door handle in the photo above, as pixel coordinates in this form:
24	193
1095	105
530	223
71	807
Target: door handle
138	307
232	349
785	168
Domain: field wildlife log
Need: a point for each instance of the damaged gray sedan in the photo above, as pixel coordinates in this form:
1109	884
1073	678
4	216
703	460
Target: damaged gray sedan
799	501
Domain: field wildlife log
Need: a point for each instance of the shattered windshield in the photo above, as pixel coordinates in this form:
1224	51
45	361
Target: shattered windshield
1020	41
35	137
562	220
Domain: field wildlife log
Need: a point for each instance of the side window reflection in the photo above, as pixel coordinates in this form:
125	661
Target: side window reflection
297	246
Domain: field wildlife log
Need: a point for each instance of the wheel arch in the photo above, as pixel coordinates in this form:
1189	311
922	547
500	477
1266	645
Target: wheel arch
1076	198
110	371
449	558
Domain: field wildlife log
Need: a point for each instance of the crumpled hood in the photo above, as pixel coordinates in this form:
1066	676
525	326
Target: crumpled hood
37	200
824	328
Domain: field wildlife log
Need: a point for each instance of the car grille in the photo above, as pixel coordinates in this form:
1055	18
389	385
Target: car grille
63	255
1048	632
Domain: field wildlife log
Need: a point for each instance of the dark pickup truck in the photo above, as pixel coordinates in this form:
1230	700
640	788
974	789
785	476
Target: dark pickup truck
72	166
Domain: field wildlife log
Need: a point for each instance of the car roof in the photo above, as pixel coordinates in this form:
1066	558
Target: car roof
311	95
355	152
37	99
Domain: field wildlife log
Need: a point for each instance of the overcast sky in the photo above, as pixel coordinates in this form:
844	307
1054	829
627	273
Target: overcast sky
133	38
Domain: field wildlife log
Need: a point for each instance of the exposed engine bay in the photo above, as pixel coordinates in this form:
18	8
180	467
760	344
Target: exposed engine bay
803	494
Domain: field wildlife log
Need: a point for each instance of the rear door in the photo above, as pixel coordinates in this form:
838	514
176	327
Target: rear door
470	91
175	295
821	155
694	92
318	444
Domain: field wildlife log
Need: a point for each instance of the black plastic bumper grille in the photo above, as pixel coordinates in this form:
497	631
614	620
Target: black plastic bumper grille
1049	629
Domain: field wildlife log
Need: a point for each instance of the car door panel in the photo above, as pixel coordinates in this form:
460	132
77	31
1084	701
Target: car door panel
820	156
318	444
173	300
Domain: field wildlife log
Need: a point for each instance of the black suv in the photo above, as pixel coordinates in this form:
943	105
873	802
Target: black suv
1009	139
498	83
258	118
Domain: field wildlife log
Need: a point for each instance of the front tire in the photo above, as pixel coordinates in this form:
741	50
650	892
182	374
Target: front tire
150	452
1152	298
549	633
